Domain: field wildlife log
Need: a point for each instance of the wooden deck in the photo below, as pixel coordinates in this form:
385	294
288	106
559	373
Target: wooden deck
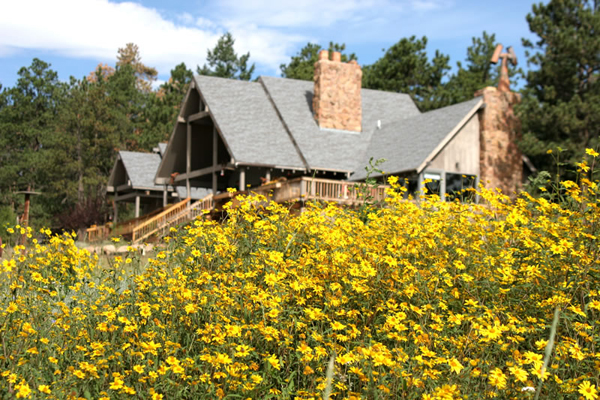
307	188
297	190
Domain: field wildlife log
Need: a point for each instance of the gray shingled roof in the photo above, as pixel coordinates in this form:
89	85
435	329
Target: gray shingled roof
249	123
406	143
251	117
141	168
331	149
197	193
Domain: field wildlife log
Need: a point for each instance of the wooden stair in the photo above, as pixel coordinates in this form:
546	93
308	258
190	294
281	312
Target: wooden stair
160	224
157	223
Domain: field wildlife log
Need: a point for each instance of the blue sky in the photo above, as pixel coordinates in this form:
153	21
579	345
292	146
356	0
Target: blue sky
76	35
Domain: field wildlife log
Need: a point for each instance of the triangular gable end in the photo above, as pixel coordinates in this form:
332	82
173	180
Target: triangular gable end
196	129
119	179
440	147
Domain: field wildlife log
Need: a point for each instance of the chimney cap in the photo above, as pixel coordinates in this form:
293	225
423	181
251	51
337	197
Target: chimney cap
324	55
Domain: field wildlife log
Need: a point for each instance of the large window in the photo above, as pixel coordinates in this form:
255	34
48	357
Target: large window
458	185
433	183
450	186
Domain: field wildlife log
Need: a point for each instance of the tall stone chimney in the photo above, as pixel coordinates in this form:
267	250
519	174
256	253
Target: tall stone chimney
336	101
500	160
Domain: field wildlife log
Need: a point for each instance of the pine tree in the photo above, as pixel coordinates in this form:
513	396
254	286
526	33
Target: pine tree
163	107
477	73
27	116
302	65
224	62
561	101
405	68
130	55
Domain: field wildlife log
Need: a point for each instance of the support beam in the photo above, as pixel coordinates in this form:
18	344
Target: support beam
137	206
123	187
242	179
268	175
197	116
165	201
215	156
204	171
115	211
188	159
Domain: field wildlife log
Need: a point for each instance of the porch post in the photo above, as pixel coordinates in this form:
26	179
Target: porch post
443	186
268	175
165	196
137	206
242	178
115	209
188	159
215	155
420	185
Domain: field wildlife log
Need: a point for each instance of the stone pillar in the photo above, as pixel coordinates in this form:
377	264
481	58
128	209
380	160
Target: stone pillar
337	99
501	161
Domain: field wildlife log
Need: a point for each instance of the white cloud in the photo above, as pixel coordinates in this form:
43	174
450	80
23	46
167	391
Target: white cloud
186	18
95	29
270	31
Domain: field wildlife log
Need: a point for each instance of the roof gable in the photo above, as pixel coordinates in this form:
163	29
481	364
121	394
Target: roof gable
249	123
141	168
407	143
326	149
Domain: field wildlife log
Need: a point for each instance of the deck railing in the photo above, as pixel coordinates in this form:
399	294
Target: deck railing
151	225
97	233
307	188
161	224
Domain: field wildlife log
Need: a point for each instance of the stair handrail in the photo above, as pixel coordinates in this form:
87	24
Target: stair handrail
186	214
176	208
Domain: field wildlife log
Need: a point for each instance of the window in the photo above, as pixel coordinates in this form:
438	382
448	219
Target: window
434	185
456	185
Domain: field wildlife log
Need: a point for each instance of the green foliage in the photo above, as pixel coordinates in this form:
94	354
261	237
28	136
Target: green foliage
7	218
163	107
224	62
27	114
61	139
130	55
405	68
477	73
561	101
302	65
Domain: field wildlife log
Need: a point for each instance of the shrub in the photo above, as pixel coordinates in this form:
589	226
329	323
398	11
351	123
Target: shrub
431	300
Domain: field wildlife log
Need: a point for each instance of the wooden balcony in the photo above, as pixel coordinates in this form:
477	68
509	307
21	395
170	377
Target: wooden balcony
307	188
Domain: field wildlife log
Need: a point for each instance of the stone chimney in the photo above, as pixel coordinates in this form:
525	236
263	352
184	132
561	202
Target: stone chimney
500	160
336	101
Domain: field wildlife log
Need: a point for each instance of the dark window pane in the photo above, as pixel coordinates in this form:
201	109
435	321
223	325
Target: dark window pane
457	185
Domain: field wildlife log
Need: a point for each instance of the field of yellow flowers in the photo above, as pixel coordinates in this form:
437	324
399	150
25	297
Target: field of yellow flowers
427	300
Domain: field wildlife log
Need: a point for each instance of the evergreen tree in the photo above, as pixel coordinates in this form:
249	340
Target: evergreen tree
224	62
163	107
83	149
561	102
478	72
27	116
130	55
128	103
302	65
405	68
